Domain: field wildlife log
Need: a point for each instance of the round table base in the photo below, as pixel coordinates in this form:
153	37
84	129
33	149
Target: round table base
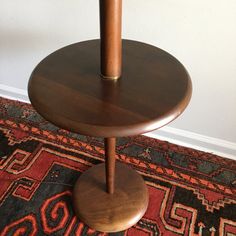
110	212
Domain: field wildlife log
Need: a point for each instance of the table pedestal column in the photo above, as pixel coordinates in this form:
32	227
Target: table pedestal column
110	198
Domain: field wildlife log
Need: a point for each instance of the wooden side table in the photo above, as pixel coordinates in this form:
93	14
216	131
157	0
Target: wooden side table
151	90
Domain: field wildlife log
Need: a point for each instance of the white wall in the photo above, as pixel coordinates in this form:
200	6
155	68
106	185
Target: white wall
201	34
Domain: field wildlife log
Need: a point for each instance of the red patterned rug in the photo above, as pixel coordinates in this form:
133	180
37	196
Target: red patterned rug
191	192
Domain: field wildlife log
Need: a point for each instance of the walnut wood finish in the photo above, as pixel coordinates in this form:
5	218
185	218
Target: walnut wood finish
66	89
110	157
110	33
110	212
154	89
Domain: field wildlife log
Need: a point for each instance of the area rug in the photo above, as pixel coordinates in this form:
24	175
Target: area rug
191	192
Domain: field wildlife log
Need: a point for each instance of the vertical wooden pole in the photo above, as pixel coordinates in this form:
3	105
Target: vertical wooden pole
110	159
111	42
111	60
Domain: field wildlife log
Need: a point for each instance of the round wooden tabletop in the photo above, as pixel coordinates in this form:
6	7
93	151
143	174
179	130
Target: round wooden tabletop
67	90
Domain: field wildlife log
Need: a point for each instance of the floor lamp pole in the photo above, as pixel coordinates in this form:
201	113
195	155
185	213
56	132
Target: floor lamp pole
111	42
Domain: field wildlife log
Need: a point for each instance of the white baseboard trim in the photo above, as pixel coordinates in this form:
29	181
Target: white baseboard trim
177	136
14	93
197	141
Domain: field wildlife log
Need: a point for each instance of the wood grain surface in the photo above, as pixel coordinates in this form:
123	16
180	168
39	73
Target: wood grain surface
66	89
110	212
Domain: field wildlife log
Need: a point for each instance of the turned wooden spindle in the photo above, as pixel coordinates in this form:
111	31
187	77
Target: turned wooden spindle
110	158
111	59
111	42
